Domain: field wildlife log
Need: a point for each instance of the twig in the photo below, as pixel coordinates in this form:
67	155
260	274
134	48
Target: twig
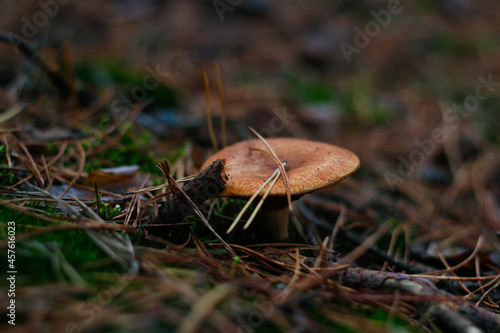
448	315
207	184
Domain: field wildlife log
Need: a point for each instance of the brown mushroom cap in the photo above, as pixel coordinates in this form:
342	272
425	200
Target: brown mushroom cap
310	166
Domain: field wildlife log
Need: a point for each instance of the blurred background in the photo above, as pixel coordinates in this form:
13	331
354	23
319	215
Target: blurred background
339	67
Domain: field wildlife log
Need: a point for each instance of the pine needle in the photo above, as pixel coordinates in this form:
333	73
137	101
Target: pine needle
249	202
282	169
79	172
261	202
479	243
222	106
209	114
159	187
163	166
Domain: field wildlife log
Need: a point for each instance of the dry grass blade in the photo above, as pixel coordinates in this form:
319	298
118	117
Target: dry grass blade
252	198
209	113
7	149
392	245
30	164
338	224
482	287
80	169
47	173
368	243
222	106
135	202
496	282
162	186
321	255
196	210
11	112
97	199
445	262
73	213
282	169
114	244
261	202
117	246
165	170
270	264
295	276
202	308
273	158
60	265
479	243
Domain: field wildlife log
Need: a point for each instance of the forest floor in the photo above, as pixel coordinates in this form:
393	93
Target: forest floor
93	96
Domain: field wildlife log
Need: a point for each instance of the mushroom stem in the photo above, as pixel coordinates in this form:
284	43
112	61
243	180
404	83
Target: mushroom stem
274	220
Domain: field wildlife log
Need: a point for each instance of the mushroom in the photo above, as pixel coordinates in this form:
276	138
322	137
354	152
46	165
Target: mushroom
310	166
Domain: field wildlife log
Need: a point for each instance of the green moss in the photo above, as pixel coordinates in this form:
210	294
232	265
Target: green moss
307	90
386	320
7	177
107	73
360	100
449	46
369	315
52	256
107	211
487	120
128	151
384	241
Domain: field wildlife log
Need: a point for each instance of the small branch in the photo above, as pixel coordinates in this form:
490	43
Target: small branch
448	315
208	184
